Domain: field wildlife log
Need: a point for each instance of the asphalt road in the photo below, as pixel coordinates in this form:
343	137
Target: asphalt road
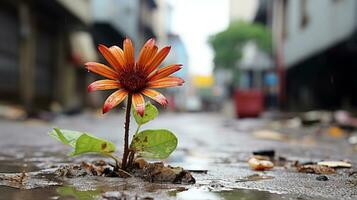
207	141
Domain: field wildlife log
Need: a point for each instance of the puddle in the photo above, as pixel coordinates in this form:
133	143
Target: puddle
248	194
33	194
14	166
69	192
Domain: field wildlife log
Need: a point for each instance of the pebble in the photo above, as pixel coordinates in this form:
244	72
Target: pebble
258	164
322	178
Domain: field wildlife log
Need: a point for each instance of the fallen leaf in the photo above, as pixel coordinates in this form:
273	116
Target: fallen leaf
335	164
315	169
336	132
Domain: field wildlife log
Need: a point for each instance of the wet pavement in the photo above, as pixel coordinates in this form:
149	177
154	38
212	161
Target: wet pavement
207	141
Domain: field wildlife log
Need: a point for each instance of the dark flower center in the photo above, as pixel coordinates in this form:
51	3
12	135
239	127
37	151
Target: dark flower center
133	81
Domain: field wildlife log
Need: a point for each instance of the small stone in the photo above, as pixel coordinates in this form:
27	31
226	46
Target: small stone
260	164
322	178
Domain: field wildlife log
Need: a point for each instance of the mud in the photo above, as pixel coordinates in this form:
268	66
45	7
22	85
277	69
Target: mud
156	172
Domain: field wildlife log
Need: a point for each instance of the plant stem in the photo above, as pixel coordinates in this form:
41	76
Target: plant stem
126	134
114	158
137	129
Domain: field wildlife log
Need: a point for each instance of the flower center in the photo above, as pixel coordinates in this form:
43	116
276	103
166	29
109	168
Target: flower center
132	81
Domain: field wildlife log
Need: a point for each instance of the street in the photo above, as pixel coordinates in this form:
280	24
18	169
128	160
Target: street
207	141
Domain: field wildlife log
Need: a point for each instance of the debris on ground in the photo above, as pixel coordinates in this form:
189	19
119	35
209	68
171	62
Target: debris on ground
18	178
97	168
153	172
159	173
293	123
12	112
27	180
335	164
322	178
342	117
269	135
353	139
316	117
269	153
260	163
352	179
198	171
315	169
336	132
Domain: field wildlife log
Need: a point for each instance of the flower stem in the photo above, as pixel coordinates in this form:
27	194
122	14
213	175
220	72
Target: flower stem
126	134
117	160
137	129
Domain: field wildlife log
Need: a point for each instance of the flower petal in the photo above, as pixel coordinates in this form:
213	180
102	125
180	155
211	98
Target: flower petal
139	103
101	70
103	85
155	95
109	56
114	99
164	72
146	52
129	53
157	60
119	56
170	81
150	58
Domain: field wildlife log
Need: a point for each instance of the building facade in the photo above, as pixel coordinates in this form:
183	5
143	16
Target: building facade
37	67
315	49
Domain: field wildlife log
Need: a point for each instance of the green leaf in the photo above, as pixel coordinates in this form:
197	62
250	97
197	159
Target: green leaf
89	144
83	142
66	136
150	113
157	144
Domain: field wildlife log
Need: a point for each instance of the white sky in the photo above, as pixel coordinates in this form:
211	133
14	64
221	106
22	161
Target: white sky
195	21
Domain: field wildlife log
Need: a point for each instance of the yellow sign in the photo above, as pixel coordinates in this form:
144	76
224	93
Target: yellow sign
203	81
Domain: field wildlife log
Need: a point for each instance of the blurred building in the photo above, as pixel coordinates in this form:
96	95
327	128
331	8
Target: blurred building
243	10
163	21
43	45
113	20
178	54
38	65
316	50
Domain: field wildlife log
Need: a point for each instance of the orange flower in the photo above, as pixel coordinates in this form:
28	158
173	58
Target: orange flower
134	78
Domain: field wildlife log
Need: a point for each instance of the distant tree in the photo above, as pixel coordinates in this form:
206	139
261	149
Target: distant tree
228	44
